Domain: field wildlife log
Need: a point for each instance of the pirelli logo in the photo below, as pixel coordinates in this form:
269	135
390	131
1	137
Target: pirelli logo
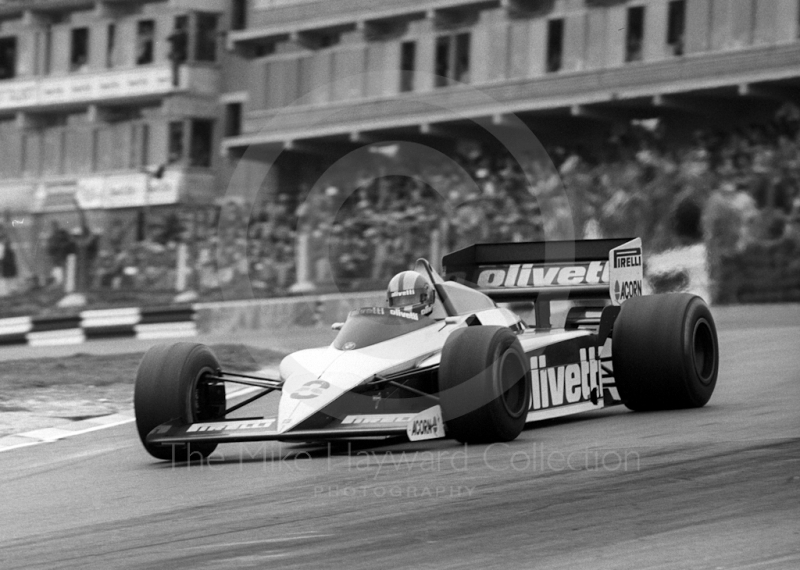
231	425
631	257
378	419
530	275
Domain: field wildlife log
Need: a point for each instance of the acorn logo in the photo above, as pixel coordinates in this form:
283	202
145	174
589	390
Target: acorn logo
627	290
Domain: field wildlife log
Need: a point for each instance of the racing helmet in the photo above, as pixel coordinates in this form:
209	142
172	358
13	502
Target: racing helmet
410	291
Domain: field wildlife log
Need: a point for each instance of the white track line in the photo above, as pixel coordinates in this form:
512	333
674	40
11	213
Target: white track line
19	445
49	435
277	540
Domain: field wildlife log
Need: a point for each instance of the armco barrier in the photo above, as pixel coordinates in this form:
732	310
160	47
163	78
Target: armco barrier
252	315
676	270
145	323
265	314
766	272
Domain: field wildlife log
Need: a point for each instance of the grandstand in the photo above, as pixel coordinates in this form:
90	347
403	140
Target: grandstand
319	74
315	80
212	142
108	118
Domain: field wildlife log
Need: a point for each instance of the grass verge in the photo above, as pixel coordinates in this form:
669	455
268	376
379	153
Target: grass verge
104	370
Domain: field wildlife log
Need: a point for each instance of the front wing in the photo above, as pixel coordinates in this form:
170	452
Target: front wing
427	424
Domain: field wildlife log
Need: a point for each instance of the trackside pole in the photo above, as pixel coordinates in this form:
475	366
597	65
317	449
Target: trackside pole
71	273
182	269
303	262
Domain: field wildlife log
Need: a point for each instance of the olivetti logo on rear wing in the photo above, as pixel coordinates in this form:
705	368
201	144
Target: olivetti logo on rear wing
540	275
601	268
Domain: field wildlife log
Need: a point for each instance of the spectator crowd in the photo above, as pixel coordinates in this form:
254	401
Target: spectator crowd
734	190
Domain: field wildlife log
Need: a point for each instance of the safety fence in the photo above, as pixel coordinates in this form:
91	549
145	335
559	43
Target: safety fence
764	272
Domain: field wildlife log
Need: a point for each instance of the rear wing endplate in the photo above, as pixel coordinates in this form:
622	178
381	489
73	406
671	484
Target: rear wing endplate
580	269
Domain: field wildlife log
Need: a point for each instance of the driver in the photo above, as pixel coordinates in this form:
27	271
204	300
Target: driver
410	291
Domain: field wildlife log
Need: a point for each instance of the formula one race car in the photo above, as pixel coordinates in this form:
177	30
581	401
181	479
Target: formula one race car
452	357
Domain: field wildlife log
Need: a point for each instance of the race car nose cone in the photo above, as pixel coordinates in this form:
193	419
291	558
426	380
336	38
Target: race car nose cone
306	393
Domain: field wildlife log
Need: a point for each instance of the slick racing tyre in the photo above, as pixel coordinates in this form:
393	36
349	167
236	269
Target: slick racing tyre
484	385
170	385
665	352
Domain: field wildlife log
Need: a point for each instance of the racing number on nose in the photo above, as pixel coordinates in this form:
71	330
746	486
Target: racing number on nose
310	390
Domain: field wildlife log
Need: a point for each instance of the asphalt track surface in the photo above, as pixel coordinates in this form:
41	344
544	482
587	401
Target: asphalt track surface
714	488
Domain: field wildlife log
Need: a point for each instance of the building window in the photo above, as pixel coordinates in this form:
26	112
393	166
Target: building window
144	144
233	119
79	51
260	49
145	41
179	40
111	45
53	150
442	60
178	47
408	62
140	145
452	59
634	36
676	24
462	58
555	45
8	58
206	44
175	143
326	39
9	158
48	50
239	15
202	133
31	153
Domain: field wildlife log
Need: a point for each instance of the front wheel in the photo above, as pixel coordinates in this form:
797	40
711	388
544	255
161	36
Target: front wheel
665	352
171	384
484	384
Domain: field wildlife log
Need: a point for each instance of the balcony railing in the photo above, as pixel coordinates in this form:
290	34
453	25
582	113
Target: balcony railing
706	71
279	17
20	6
83	88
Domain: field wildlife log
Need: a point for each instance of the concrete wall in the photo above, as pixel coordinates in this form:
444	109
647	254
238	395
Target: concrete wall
271	314
505	48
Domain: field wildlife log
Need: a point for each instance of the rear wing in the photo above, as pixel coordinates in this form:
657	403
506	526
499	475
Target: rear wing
581	269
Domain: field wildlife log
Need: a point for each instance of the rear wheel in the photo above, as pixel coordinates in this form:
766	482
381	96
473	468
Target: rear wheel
484	384
171	384
665	352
